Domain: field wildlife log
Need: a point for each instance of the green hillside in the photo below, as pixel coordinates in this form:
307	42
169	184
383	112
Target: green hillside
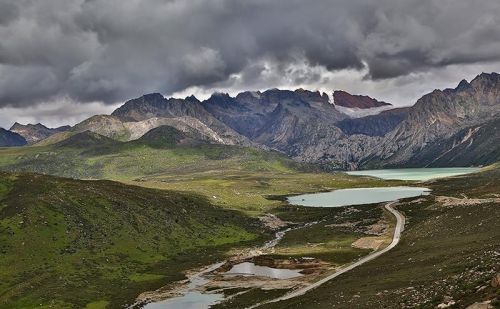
231	176
67	243
89	155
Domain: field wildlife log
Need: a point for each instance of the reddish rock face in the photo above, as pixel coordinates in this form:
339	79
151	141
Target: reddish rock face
342	98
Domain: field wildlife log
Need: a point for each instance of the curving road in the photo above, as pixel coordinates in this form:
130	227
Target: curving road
400	223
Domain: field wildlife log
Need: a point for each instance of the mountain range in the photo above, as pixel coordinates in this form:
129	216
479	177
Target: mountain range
33	133
443	128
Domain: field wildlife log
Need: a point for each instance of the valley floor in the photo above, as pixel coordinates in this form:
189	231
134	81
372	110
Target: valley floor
99	244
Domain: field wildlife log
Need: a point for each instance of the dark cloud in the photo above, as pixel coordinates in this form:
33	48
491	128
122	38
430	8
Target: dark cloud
8	12
111	50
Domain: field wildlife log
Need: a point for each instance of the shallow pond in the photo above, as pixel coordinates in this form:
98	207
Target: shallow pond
190	297
358	196
250	269
191	300
419	174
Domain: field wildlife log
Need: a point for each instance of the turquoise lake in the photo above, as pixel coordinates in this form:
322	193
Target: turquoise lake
358	196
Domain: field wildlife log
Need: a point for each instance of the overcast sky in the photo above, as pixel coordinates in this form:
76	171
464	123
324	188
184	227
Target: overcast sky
64	60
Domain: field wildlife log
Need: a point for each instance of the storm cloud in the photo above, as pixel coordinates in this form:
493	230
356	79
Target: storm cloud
111	50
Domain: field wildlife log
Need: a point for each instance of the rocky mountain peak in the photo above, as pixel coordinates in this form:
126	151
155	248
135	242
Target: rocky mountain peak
249	96
140	108
192	99
153	96
463	86
16	125
285	97
486	80
218	94
222	100
150	98
313	96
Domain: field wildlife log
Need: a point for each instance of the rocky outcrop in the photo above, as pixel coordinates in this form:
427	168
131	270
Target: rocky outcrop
11	139
113	127
476	145
436	118
375	125
156	106
184	124
252	113
299	123
33	133
293	122
105	125
245	114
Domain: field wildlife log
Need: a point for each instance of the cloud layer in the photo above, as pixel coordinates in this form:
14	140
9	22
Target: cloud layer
111	50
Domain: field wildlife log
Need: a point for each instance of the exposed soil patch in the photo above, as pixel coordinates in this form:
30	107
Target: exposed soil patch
449	201
368	243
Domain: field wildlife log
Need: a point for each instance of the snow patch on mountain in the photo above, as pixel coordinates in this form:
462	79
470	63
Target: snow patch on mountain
362	112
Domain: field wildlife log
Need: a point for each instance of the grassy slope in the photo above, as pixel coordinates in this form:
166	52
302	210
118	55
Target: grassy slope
67	243
326	240
232	177
445	251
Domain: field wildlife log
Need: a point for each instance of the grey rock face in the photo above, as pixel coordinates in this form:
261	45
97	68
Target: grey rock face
451	127
376	125
156	106
477	145
437	117
293	122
